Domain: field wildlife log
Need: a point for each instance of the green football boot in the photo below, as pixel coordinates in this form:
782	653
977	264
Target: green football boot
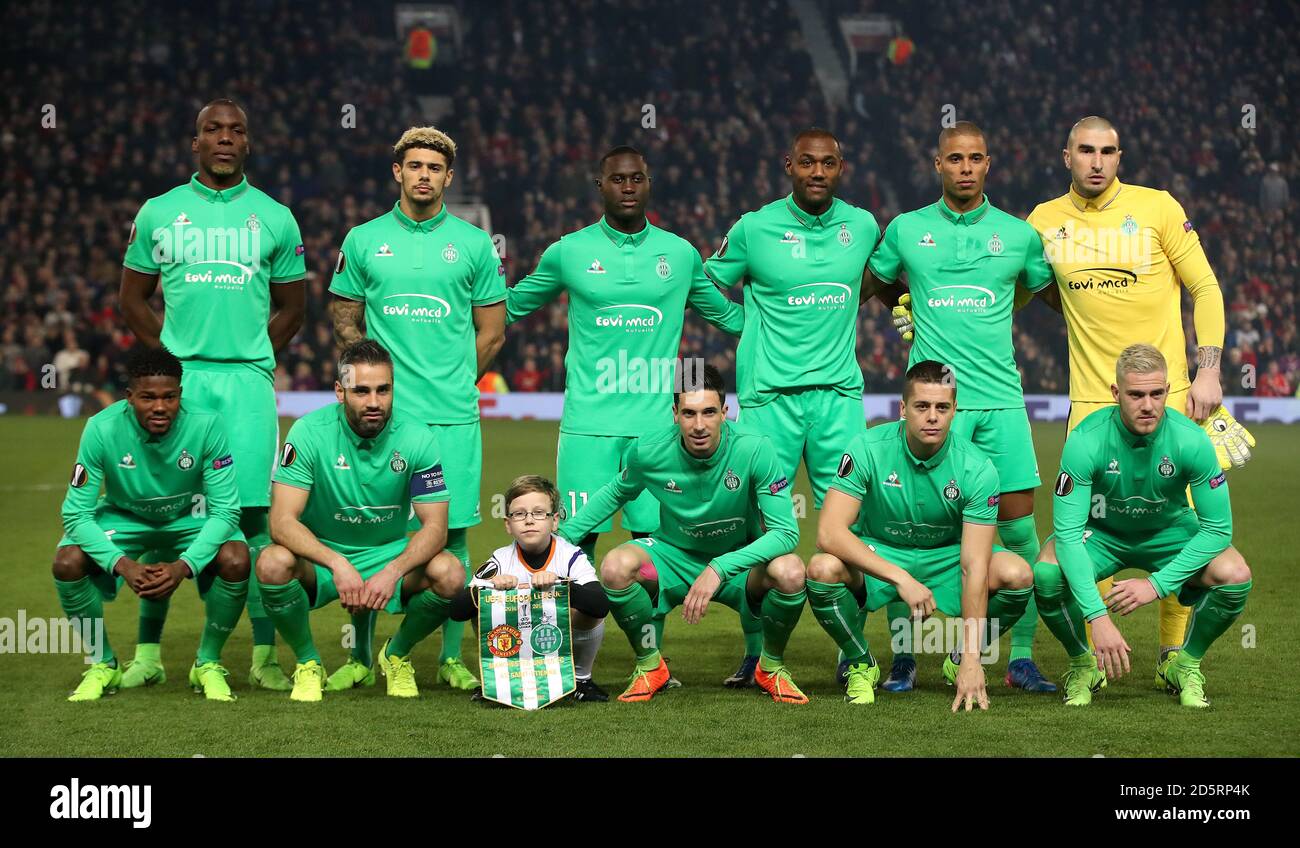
210	679
860	685
1188	684
144	670
1081	681
98	680
400	674
454	673
266	673
950	669
1162	669
351	674
307	680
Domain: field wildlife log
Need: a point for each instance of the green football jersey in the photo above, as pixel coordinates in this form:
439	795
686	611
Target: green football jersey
186	473
916	503
627	296
802	279
420	282
962	271
1131	486
733	507
361	489
217	254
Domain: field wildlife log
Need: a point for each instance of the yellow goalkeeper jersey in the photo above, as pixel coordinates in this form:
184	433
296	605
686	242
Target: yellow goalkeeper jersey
1118	260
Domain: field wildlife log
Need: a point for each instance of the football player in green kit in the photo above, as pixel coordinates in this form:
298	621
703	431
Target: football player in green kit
349	475
726	533
431	289
1120	503
169	491
628	283
963	259
910	516
231	264
802	260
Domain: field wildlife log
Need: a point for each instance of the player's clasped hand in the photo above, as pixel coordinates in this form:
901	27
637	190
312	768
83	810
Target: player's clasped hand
971	685
378	589
162	579
1128	595
349	585
1109	646
918	597
697	599
135	574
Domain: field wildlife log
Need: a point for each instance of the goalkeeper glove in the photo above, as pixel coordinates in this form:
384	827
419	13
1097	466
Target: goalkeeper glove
1232	442
902	315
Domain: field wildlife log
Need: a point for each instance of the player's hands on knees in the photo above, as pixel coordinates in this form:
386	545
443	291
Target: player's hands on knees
1128	595
135	574
163	579
542	580
916	596
702	591
505	581
1109	646
379	588
349	585
971	687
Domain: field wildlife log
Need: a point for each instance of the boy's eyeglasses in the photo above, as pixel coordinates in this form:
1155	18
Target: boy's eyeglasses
518	516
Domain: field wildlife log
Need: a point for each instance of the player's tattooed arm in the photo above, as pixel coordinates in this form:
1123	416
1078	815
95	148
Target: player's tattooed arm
1208	356
133	299
290	303
1207	392
349	318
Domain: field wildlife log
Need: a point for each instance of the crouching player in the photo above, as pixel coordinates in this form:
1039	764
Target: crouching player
538	558
349	474
169	491
1120	503
726	533
910	516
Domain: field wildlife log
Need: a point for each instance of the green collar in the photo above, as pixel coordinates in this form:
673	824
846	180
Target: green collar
356	440
1132	439
810	221
712	459
419	226
927	464
212	195
622	239
971	217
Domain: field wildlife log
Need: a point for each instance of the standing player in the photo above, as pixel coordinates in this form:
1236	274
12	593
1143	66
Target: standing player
910	517
1119	252
802	260
169	491
726	532
629	283
429	287
963	259
349	473
231	264
1120	503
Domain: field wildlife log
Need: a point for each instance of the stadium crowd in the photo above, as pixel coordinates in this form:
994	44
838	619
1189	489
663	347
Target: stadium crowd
1200	94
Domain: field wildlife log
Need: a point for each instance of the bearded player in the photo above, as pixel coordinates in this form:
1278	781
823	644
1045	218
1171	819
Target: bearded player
726	533
963	259
1119	253
231	264
628	284
1120	503
430	288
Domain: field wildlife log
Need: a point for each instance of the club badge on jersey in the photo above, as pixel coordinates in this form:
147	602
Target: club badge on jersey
525	646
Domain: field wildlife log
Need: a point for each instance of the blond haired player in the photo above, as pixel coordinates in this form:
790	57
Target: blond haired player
1119	253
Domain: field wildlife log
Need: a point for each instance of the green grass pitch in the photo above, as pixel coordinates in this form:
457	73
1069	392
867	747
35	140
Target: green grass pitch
1251	704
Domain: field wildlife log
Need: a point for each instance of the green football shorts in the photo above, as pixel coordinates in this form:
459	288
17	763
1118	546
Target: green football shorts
367	561
815	424
1150	552
586	463
937	569
460	449
245	399
675	569
161	542
1005	436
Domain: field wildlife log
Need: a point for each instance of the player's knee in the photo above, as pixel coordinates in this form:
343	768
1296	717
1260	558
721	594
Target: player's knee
70	563
826	568
275	565
232	562
446	574
1047	578
1015	573
618	568
1231	571
787	572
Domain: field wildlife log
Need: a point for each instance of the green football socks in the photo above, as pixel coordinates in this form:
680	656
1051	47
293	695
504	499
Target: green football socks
288	607
223	605
1211	618
84	606
1020	536
634	614
424	613
837	611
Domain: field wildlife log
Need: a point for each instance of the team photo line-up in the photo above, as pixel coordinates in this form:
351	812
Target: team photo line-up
368	501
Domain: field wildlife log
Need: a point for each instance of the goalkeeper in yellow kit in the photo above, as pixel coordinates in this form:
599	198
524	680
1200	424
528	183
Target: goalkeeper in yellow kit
1119	252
